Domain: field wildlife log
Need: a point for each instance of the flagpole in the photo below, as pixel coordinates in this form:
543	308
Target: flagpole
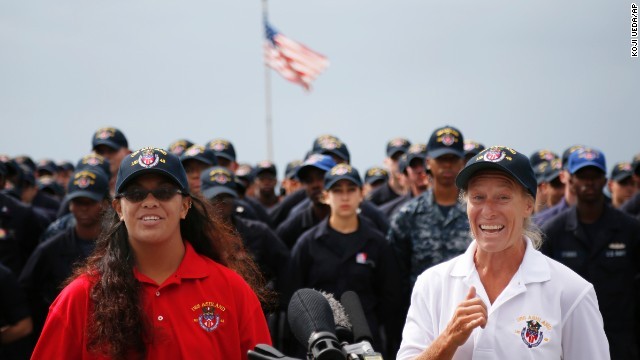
267	84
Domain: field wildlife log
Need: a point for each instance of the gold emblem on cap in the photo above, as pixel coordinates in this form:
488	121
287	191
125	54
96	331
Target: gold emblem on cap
194	150
377	171
341	169
490	153
417	148
105	133
147	153
218	144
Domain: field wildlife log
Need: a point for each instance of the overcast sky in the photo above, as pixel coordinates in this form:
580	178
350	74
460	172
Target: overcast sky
526	74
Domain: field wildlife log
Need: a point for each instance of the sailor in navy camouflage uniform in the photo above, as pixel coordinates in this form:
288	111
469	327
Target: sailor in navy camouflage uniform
433	227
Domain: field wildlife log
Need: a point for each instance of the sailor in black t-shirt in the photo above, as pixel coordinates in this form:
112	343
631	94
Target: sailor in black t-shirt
345	252
52	262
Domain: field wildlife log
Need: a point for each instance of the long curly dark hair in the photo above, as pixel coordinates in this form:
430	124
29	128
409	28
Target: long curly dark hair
117	326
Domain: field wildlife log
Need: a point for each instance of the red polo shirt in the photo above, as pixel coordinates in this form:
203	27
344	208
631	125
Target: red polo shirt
203	310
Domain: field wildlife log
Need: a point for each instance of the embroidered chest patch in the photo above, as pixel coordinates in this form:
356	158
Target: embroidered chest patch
210	315
532	330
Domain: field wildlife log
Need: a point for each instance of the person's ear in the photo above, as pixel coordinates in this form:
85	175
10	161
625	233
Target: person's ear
118	208
186	205
530	206
324	197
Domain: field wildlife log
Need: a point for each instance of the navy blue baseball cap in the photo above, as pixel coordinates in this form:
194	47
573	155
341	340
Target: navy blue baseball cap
66	166
318	161
445	140
397	145
621	171
89	183
245	172
374	174
416	151
223	148
502	158
331	145
11	167
541	156
555	168
178	147
26	174
49	184
341	172
292	168
403	163
472	148
218	180
586	157
150	160
94	160
25	160
541	171
46	166
200	153
110	137
265	166
567	152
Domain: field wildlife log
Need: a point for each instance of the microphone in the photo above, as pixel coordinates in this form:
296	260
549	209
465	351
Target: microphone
343	326
353	307
362	348
312	323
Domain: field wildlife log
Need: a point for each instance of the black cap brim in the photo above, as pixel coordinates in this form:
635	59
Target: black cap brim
85	194
144	171
106	142
622	176
462	180
212	192
373	179
553	175
196	157
393	151
436	153
334	180
225	155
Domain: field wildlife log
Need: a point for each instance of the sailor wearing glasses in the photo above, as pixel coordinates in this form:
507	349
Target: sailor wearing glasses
167	280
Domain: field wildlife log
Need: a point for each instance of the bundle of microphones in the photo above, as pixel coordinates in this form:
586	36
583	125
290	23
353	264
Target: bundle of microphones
328	328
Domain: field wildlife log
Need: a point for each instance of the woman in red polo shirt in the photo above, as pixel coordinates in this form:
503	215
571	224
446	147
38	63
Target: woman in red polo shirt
166	281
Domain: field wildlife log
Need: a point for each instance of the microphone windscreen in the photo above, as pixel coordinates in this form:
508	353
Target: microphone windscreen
351	303
343	326
309	312
339	315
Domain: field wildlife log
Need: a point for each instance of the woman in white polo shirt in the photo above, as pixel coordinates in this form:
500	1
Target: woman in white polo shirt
502	299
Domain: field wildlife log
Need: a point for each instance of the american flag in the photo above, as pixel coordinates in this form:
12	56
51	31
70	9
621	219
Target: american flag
294	61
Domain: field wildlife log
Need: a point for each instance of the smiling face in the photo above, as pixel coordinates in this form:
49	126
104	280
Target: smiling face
152	221
497	207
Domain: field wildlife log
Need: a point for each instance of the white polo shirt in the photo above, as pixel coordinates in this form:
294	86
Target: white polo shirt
546	312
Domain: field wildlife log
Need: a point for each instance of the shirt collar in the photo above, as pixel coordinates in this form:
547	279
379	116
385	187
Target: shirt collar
192	266
534	267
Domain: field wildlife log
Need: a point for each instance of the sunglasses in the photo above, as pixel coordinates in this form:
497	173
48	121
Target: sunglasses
137	195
